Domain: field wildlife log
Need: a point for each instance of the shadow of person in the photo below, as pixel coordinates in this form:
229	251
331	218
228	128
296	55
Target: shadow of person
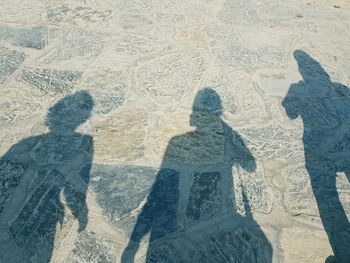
324	107
51	166
193	200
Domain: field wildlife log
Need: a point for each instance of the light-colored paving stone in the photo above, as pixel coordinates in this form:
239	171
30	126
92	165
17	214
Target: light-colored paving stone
156	169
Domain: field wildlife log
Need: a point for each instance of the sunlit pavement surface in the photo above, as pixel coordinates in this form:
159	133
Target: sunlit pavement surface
174	131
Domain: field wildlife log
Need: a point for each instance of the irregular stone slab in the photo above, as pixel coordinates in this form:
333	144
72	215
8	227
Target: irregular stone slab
121	137
194	36
10	177
9	62
120	189
57	13
274	142
205	196
172	7
135	6
258	196
276	83
15	123
139	45
28	37
22	11
239	13
78	43
90	248
173	19
252	106
137	22
304	245
50	81
239	245
298	196
238	57
168	78
74	12
220	34
133	45
107	87
14	107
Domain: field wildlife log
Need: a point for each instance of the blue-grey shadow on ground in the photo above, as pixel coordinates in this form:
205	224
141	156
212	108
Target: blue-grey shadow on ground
324	107
194	186
50	165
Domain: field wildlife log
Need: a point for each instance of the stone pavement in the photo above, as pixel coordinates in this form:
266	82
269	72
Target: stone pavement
174	131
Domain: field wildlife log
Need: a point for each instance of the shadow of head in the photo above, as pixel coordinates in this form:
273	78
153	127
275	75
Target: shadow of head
206	103
68	113
309	68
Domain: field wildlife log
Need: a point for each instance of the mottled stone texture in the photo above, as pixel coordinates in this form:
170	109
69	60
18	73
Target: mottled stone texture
10	176
205	195
171	131
53	82
91	248
113	184
10	60
28	37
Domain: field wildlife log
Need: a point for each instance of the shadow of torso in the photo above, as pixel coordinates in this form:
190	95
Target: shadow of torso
193	199
52	166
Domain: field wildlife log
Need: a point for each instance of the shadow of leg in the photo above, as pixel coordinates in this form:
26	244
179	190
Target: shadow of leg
129	253
332	214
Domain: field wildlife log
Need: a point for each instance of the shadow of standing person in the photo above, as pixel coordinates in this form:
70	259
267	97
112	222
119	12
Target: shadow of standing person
194	188
53	164
324	107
